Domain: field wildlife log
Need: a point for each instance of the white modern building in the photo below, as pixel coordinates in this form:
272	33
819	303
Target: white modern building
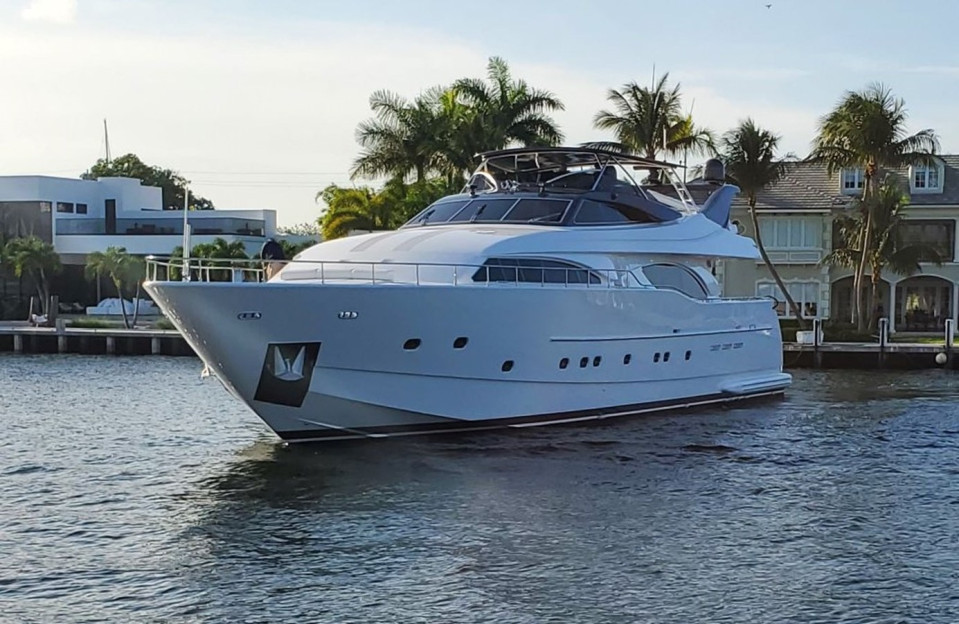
82	216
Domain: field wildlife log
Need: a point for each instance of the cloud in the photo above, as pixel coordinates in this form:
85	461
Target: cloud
264	121
55	11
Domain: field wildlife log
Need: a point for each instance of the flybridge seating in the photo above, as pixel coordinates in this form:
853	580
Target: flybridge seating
564	186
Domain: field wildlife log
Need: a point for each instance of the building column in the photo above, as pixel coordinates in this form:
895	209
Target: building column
891	313
955	302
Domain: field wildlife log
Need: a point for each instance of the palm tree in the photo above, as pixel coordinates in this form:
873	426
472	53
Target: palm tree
650	121
220	250
889	249
867	131
752	163
403	136
351	209
506	110
36	259
122	269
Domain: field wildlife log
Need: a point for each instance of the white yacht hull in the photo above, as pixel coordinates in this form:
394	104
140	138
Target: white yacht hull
327	361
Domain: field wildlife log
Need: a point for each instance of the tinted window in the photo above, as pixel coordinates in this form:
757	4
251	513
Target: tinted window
593	212
81	209
533	270
538	210
485	210
64	207
438	212
675	277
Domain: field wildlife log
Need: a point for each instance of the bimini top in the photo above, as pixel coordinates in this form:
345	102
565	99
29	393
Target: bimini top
568	186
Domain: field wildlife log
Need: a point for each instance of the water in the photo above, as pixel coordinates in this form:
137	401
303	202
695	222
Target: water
131	490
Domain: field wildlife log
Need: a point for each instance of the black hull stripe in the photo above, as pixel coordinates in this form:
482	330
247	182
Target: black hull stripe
310	435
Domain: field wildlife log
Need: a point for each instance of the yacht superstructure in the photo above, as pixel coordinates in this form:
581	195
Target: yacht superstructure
555	288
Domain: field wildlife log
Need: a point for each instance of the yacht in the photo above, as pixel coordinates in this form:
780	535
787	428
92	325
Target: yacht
561	285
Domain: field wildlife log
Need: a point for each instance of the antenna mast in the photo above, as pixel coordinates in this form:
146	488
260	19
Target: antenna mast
106	139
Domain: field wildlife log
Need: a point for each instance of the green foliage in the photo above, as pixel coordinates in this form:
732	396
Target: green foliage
440	131
33	258
130	166
300	229
164	323
751	162
91	323
867	130
122	269
219	249
887	247
362	208
290	249
650	121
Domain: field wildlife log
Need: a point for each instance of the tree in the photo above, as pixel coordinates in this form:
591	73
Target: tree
220	252
37	260
889	248
300	229
130	166
403	137
752	164
650	121
441	130
362	208
506	110
867	131
350	209
122	269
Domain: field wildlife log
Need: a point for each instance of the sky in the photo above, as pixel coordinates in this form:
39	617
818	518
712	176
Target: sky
257	102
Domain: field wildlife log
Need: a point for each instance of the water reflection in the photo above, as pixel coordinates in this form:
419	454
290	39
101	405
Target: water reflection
835	504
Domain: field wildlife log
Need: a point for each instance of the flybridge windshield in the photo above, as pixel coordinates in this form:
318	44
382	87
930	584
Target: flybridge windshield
539	211
492	208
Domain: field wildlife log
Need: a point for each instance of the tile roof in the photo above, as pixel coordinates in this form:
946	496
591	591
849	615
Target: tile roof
807	186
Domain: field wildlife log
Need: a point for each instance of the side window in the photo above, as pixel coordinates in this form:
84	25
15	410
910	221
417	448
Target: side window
534	270
675	277
607	213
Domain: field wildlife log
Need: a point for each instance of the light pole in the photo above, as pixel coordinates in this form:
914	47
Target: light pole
186	234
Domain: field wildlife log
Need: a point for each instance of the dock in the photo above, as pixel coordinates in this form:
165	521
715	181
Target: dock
868	355
21	337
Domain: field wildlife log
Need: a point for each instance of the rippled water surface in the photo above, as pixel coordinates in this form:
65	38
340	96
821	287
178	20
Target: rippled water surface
134	491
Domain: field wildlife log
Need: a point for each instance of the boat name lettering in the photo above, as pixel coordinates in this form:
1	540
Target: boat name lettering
347	315
249	316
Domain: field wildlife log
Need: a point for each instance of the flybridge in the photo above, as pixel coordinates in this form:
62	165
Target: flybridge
575	187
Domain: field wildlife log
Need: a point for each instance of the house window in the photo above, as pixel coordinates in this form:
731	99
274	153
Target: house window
64	207
926	178
934	239
805	294
853	181
791	233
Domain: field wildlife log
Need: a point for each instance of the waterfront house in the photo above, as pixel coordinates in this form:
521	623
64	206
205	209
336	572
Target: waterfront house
796	219
79	217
